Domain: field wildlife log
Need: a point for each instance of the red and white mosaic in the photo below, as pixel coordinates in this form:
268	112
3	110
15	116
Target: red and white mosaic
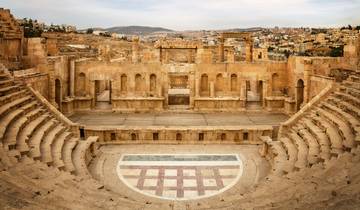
180	177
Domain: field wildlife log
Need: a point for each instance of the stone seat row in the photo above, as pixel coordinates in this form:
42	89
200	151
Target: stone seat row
327	130
31	179
27	128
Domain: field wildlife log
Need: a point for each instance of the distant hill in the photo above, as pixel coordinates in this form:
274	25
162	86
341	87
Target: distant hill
134	30
254	29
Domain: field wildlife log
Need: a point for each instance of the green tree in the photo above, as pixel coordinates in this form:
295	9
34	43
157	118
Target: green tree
337	51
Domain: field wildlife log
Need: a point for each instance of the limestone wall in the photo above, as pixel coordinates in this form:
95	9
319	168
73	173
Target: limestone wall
143	84
10	40
180	135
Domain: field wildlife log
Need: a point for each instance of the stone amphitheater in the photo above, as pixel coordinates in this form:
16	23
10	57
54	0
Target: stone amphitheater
174	125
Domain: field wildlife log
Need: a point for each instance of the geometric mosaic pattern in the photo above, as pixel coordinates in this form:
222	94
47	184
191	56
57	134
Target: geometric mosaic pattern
180	177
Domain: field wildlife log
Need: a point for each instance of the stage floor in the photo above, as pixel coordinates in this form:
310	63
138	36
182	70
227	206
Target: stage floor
178	119
167	173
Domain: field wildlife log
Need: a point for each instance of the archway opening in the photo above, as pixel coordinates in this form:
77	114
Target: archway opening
254	94
299	94
103	94
152	83
234	83
82	84
139	88
260	90
204	85
219	85
275	84
123	84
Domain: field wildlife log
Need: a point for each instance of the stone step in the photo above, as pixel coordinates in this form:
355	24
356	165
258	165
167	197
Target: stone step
352	85
320	135
28	130
12	133
291	152
302	148
56	148
354	78
4	158
13	96
280	157
331	132
6	83
39	135
67	151
346	108
342	126
314	147
45	145
8	90
350	120
12	116
13	105
78	156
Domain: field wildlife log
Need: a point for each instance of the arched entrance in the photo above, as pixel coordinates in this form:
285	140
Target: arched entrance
260	91
58	99
82	84
299	94
103	91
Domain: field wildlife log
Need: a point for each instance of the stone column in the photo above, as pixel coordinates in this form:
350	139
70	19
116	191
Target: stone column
51	89
159	89
189	56
221	49
212	89
307	74
135	50
92	93
265	86
242	89
166	59
72	78
147	85
197	87
249	51
160	54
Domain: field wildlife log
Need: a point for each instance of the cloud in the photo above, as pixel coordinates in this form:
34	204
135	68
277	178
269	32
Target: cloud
189	14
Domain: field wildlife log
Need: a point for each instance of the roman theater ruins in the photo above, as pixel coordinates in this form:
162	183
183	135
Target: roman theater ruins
93	122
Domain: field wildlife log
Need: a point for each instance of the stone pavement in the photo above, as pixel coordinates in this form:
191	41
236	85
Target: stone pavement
164	173
179	177
178	119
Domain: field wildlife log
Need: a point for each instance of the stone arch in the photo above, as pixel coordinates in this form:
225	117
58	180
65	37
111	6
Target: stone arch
82	84
123	84
275	82
152	83
204	83
58	93
234	83
138	83
299	94
219	84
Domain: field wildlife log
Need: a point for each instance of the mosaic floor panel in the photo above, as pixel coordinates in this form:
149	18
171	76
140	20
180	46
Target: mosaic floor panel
179	177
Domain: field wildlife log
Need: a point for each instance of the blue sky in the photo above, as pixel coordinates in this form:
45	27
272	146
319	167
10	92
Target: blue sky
189	14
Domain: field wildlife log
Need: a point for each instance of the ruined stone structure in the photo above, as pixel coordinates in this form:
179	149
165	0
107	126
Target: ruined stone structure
165	157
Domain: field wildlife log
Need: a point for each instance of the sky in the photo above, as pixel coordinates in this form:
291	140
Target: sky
189	14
